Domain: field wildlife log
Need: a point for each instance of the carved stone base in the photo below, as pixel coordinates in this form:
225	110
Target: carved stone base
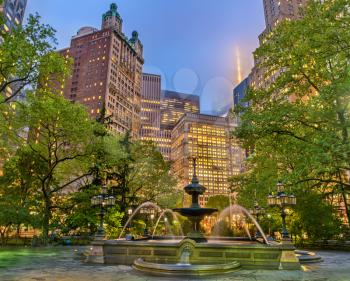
96	252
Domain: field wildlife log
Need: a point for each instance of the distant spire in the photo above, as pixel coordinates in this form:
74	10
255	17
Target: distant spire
239	67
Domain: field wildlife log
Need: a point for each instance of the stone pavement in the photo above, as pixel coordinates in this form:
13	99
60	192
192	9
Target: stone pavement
64	264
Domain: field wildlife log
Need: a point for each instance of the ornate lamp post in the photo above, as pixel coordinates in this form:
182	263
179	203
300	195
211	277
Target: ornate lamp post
282	200
257	212
102	201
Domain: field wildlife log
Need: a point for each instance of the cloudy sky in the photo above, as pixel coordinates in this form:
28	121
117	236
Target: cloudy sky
195	45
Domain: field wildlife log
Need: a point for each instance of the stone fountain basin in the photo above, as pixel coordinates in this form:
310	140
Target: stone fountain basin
249	254
195	212
179	269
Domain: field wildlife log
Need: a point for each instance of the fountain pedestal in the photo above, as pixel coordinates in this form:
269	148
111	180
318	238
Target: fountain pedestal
195	213
96	255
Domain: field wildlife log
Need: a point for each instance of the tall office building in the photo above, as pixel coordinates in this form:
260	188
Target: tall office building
107	73
278	10
206	138
239	93
174	105
13	11
161	110
275	12
150	107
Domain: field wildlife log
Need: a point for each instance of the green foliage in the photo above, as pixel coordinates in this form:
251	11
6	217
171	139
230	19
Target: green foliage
79	217
136	171
315	218
16	199
114	223
299	124
28	58
59	143
219	202
54	157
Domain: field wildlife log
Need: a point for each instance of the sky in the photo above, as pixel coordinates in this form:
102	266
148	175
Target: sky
197	46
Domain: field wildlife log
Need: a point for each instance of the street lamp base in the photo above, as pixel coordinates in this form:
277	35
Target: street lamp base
286	241
100	235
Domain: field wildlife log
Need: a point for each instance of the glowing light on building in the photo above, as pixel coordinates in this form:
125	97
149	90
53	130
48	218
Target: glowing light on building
205	138
239	66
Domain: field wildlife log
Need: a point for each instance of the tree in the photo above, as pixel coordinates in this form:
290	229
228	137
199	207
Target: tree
315	218
59	143
219	202
28	60
299	124
16	199
135	170
76	214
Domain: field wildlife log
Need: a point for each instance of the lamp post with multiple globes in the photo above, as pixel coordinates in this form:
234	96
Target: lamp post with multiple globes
102	201
282	200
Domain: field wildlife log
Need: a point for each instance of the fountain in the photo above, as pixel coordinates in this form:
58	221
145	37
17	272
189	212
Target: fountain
195	213
163	215
239	209
143	205
195	254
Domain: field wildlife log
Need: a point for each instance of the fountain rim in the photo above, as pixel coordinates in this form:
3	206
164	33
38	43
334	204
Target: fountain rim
177	269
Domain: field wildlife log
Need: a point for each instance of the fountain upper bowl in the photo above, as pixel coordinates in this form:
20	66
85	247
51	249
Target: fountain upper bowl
195	212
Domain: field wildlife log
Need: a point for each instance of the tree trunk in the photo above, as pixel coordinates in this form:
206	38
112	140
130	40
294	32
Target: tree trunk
347	211
3	236
3	240
345	136
46	221
18	228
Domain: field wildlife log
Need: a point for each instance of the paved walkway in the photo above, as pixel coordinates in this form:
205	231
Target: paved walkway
64	264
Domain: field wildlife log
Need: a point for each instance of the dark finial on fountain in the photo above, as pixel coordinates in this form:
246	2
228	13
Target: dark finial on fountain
195	213
194	188
194	178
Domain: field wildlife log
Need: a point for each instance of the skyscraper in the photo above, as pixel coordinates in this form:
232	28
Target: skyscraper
239	92
275	11
150	107
206	138
13	11
107	73
174	105
161	110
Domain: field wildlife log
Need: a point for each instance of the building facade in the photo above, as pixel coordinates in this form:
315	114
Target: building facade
13	11
275	11
107	73
239	93
161	110
174	105
206	138
150	107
